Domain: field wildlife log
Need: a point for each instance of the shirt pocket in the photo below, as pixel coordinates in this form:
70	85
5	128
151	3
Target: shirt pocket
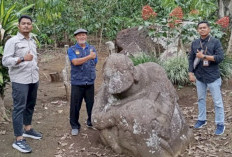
93	74
93	70
77	74
21	49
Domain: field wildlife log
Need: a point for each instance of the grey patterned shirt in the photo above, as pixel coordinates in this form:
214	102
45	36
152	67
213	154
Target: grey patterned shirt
25	72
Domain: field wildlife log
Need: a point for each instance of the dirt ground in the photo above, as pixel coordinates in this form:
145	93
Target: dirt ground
51	118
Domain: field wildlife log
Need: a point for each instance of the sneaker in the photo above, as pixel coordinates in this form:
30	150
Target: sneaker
220	129
22	146
75	132
199	124
32	134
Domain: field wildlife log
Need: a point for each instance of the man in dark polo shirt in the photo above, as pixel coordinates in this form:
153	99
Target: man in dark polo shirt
205	72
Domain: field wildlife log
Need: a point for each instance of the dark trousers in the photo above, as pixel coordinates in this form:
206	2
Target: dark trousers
78	92
24	100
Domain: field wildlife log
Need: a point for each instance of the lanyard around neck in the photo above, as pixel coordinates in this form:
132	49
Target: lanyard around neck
206	48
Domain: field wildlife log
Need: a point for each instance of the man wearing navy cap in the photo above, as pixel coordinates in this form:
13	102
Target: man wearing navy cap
83	59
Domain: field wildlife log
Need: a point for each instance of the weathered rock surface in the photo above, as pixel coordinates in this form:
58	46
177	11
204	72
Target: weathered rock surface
132	41
136	110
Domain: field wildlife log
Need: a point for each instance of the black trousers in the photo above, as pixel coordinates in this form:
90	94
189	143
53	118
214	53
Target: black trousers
78	92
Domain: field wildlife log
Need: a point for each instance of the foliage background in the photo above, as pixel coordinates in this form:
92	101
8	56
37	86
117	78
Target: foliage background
56	20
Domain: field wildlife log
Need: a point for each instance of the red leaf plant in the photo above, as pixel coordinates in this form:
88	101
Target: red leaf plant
147	12
223	22
176	17
177	13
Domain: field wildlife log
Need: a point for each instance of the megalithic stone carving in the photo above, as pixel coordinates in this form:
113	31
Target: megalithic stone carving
136	110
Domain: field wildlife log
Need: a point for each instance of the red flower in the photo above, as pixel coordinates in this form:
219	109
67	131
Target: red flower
176	17
177	13
223	22
194	12
148	12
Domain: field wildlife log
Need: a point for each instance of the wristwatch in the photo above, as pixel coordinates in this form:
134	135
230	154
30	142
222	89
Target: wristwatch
22	59
204	57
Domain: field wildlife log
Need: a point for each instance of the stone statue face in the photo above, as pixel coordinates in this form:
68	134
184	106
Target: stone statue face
118	74
118	80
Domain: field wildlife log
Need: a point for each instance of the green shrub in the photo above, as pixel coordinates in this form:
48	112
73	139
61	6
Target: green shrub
177	67
143	59
226	67
177	70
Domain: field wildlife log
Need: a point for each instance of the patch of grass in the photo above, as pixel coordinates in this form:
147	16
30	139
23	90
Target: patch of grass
143	59
177	70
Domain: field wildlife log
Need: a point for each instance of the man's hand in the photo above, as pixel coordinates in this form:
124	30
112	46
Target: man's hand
92	55
192	77
199	54
28	57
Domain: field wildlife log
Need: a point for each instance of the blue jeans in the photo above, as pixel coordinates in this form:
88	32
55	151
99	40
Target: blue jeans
215	90
24	100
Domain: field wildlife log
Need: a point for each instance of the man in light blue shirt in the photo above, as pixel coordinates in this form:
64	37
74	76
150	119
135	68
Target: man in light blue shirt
20	57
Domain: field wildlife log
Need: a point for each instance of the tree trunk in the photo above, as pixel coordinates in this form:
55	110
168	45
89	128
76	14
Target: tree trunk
99	46
221	12
229	49
225	9
66	74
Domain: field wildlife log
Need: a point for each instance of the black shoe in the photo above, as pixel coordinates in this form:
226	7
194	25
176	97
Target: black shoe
89	124
32	134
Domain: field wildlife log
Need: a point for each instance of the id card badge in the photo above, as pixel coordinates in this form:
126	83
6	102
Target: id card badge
205	62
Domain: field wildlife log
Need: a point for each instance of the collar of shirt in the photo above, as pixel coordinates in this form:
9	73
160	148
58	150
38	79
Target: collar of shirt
79	47
206	39
22	36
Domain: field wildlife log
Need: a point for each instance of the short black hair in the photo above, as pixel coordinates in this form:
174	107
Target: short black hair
206	22
24	16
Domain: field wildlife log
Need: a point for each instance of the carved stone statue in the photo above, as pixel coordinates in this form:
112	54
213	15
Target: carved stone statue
136	110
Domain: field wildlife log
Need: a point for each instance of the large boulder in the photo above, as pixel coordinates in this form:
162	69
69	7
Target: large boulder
136	110
133	41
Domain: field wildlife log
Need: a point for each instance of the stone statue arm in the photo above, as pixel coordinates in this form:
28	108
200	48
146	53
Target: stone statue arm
103	116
